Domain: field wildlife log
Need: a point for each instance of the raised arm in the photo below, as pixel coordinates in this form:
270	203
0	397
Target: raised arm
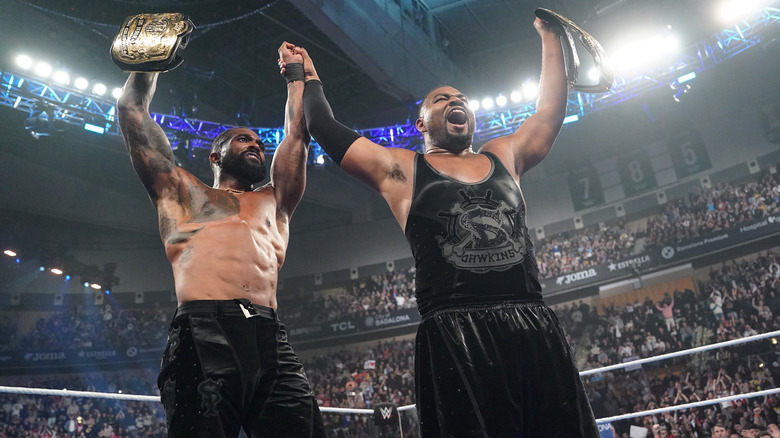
386	170
149	148
288	168
532	141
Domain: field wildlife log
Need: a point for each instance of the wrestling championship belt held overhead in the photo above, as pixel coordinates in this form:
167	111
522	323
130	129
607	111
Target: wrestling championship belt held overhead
571	59
151	42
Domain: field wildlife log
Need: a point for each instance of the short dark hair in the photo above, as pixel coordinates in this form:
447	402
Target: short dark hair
425	98
223	138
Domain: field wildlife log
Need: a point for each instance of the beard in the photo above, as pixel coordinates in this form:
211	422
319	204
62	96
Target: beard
445	139
239	167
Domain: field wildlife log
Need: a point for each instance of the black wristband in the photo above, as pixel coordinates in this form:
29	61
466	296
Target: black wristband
331	135
293	72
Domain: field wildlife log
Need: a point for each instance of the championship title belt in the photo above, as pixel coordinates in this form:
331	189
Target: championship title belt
572	61
151	42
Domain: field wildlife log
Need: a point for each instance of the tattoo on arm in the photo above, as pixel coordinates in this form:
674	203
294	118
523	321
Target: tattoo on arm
167	226
160	164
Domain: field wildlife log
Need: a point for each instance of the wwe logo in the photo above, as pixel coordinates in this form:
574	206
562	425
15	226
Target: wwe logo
386	412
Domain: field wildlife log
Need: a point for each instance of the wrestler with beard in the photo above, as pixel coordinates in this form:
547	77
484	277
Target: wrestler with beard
491	359
228	364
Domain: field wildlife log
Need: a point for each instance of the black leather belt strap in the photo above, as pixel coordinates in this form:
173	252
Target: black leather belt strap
237	307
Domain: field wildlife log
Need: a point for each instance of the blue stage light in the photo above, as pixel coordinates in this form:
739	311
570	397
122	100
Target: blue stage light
94	128
688	77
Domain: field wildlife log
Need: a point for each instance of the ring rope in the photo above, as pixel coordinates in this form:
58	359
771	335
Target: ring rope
689	405
69	393
681	353
152	398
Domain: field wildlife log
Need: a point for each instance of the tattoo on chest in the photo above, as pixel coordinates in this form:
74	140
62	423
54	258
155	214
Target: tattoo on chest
172	236
179	237
212	205
207	206
186	255
395	172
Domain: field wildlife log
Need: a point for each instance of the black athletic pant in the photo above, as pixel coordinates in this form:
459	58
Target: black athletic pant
222	371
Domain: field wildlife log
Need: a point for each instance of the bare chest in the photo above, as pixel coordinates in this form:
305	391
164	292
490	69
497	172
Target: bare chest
217	212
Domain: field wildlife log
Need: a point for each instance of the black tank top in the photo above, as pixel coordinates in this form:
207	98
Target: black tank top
469	240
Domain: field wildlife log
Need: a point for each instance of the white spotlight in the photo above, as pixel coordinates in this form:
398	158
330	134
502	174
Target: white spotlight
735	10
487	103
99	89
501	100
593	74
117	92
24	62
516	96
530	90
474	104
670	44
43	69
81	83
61	77
644	51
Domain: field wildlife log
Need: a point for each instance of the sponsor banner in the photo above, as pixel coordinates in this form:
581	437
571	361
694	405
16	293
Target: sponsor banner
356	325
391	319
684	250
304	332
82	356
598	274
341	327
719	240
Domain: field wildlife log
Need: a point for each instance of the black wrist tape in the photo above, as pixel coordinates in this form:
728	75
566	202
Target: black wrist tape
331	135
293	72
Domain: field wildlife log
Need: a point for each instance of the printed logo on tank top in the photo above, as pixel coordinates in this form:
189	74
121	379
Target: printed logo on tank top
482	235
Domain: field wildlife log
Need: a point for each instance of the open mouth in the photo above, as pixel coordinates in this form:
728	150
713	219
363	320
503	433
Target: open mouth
457	116
252	155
